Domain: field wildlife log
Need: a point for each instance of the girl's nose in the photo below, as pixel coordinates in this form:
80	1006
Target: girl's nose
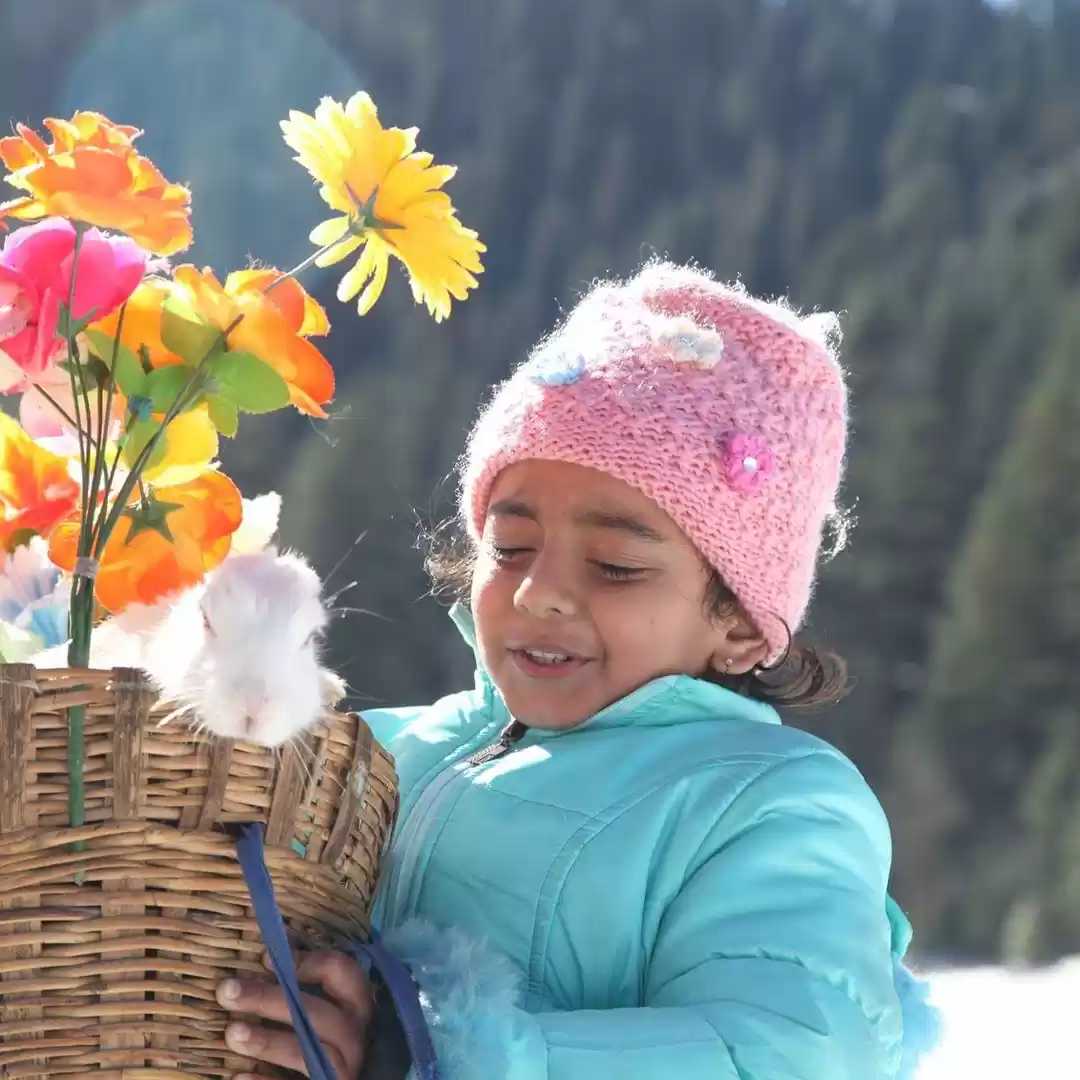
548	589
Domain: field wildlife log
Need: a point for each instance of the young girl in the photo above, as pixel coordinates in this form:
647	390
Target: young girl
612	860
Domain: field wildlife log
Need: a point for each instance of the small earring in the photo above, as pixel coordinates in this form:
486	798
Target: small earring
727	662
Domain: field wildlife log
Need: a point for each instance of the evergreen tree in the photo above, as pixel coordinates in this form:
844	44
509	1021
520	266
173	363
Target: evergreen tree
1000	711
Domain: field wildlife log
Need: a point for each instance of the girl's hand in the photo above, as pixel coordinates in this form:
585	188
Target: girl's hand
340	1018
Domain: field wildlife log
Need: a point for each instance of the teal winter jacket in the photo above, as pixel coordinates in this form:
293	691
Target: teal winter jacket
680	887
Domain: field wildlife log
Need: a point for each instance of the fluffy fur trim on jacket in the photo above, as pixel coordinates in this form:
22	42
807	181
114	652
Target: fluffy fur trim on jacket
469	995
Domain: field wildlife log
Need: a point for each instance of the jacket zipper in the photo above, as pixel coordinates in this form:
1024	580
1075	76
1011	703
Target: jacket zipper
511	734
414	832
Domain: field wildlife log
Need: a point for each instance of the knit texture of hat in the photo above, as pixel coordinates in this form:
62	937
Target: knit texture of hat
728	412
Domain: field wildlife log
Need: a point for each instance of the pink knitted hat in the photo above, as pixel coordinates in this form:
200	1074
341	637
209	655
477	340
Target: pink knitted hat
729	412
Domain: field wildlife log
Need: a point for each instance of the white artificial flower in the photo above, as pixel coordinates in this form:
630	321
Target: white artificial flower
34	597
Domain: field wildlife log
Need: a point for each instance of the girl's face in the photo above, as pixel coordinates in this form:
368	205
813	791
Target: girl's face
584	590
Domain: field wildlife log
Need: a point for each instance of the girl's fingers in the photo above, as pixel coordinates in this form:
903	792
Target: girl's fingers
282	1048
341	1033
342	980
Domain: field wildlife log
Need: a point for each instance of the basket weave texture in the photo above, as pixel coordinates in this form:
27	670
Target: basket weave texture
110	955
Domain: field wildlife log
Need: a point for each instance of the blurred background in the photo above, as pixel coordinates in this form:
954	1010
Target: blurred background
914	164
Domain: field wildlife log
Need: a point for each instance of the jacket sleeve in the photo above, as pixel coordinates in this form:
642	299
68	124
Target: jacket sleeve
773	962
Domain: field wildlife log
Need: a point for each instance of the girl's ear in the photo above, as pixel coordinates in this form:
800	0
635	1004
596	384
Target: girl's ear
740	646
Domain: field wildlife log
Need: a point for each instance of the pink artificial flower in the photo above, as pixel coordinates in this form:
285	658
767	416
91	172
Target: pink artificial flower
35	279
47	426
747	461
39	419
28	341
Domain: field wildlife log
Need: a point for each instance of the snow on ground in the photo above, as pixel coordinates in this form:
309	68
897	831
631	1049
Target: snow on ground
1005	1025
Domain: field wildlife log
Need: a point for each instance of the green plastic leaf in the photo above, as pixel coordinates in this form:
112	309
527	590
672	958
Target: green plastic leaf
68	327
224	415
164	385
139	435
90	373
150	514
186	333
96	372
251	384
18	538
129	372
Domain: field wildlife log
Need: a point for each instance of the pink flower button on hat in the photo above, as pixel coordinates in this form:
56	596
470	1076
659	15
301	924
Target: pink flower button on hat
747	461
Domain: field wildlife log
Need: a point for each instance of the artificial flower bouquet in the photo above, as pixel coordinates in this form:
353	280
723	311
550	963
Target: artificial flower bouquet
129	367
124	899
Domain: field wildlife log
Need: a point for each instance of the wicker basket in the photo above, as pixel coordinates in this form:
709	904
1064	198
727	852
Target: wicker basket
109	955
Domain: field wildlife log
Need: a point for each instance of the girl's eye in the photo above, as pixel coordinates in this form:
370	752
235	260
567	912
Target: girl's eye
506	554
620	573
206	624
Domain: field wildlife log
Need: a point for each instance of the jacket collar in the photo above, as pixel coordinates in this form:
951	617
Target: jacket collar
663	702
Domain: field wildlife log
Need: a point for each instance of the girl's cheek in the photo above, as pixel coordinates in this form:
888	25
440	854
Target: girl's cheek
486	574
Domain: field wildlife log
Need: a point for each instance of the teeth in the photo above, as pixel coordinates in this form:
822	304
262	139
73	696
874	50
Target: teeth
546	657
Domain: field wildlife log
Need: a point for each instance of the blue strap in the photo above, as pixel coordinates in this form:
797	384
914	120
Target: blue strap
395	975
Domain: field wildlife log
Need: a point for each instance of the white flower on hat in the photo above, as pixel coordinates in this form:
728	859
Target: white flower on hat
691	344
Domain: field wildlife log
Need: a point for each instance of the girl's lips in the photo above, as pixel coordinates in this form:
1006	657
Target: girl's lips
538	669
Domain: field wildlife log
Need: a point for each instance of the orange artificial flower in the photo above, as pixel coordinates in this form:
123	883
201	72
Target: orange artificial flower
92	173
36	488
142	321
159	549
275	326
302	312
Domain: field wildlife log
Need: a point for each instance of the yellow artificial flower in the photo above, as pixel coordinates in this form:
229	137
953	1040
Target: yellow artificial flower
189	445
388	194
